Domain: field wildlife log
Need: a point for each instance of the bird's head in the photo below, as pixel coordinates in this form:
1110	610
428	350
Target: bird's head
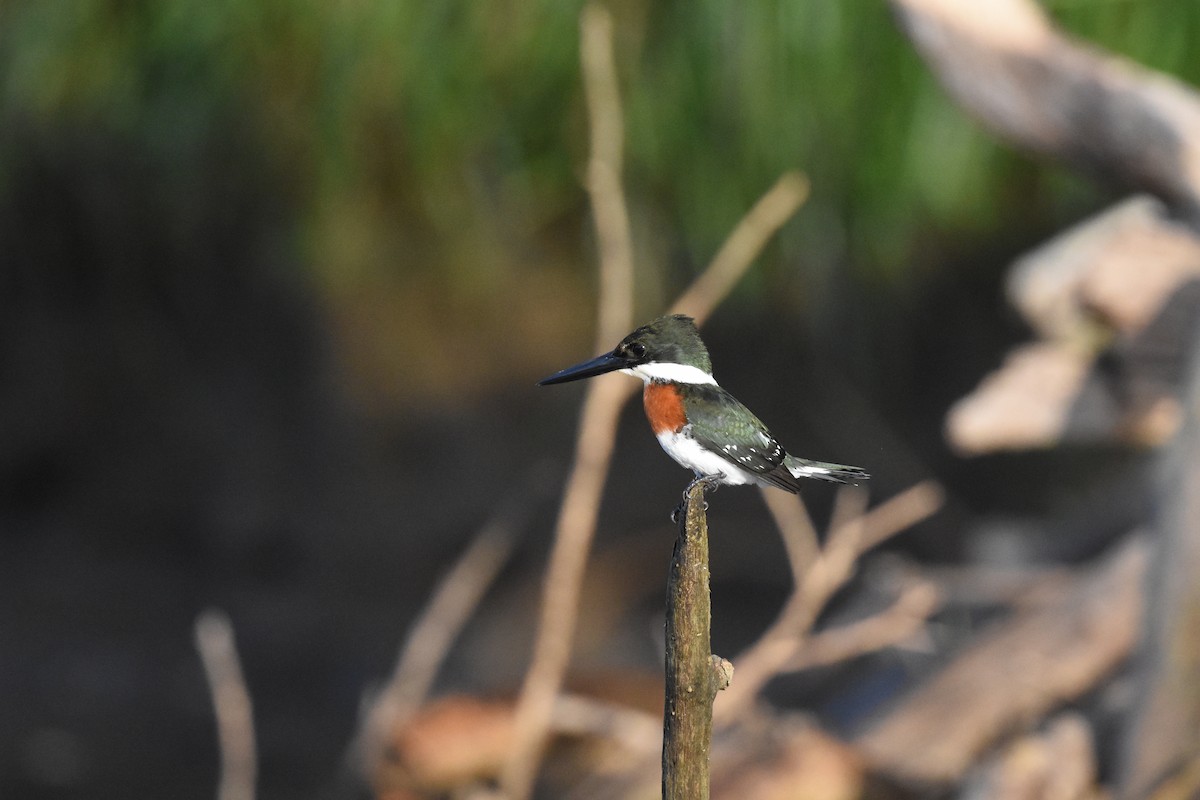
667	349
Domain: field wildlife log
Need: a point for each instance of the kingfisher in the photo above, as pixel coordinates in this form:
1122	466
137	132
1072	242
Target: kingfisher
699	424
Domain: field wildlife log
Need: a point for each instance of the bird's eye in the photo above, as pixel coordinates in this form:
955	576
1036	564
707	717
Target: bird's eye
636	349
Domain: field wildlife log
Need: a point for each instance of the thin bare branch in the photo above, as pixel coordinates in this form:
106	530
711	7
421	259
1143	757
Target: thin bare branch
837	562
795	527
451	606
744	244
638	732
604	175
845	522
783	640
897	623
602	405
900	513
231	705
564	580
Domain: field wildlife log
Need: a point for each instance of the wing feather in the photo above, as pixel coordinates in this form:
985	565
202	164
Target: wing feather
721	424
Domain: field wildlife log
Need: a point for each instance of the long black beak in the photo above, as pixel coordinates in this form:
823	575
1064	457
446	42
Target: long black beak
597	366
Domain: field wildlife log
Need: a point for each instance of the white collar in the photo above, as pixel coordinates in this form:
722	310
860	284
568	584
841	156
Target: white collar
673	373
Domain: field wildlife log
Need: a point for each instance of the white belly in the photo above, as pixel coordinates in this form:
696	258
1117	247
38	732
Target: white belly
684	449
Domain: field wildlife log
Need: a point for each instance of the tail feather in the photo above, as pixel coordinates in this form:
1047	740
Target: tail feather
838	473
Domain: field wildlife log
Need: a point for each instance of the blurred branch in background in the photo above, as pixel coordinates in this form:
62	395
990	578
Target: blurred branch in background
901	622
796	528
743	245
854	532
1058	761
615	312
602	404
231	705
451	606
456	745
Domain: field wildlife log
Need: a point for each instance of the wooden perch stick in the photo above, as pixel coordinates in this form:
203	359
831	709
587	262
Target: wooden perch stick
694	674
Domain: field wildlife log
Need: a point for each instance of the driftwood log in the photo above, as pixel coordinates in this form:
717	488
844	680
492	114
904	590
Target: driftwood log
1050	653
1006	65
1116	303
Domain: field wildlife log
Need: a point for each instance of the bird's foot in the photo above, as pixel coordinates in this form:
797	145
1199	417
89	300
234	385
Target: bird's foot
710	484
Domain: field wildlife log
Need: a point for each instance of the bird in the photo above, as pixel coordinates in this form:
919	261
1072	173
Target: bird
699	424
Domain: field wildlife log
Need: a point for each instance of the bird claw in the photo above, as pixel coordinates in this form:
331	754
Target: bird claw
710	483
